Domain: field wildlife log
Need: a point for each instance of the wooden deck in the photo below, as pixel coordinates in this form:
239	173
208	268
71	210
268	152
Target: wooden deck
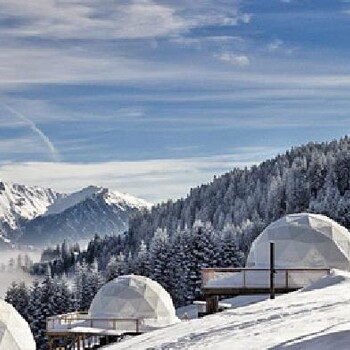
78	330
217	282
235	291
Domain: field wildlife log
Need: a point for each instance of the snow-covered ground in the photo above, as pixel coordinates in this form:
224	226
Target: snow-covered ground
317	317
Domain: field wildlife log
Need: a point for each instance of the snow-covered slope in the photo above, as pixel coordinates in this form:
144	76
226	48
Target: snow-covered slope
18	202
316	318
81	215
67	201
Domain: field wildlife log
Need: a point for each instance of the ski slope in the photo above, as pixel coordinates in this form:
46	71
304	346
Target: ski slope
317	317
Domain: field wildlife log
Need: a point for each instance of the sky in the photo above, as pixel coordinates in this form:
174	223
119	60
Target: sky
153	97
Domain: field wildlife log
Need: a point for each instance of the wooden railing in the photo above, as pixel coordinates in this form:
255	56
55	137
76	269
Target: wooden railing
292	278
83	319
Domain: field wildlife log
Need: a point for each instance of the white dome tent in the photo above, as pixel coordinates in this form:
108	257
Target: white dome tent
134	297
303	241
15	333
306	246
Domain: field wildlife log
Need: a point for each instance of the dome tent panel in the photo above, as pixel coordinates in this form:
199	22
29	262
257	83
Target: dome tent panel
15	333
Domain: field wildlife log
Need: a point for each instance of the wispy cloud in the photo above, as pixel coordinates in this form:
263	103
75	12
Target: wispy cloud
232	58
118	20
153	180
275	45
45	139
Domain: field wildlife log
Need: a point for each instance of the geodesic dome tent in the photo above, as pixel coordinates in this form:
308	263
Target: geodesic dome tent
303	241
15	333
134	297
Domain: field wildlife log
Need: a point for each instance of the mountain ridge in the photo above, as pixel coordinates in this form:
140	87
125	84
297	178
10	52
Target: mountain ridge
28	211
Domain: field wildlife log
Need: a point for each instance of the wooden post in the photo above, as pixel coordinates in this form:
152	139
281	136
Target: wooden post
287	279
272	270
51	343
212	304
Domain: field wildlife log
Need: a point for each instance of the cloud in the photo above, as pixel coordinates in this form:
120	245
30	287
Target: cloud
47	142
201	41
237	60
92	19
109	19
20	146
275	45
153	180
246	17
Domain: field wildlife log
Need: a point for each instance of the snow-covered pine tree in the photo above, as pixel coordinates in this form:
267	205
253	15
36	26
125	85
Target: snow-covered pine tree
87	281
34	313
141	264
18	296
159	256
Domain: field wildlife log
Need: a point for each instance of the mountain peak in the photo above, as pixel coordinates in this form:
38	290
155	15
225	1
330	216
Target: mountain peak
18	202
72	199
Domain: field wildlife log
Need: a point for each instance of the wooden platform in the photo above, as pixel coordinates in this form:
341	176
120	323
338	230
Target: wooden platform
78	330
224	282
234	291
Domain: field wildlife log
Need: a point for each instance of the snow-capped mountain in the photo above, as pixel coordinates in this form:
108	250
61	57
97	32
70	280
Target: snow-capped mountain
37	216
67	201
18	203
81	215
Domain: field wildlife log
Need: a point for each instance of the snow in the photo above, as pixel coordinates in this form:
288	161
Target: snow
125	199
97	331
315	318
40	217
111	198
23	202
70	200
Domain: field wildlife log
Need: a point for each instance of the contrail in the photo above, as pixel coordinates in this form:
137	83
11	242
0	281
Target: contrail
54	152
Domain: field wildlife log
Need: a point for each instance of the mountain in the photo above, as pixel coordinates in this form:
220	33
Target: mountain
81	215
19	203
38	216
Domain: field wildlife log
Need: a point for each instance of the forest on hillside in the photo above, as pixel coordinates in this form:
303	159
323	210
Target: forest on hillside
313	178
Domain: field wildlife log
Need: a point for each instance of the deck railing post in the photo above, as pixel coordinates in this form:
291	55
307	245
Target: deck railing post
272	270
203	278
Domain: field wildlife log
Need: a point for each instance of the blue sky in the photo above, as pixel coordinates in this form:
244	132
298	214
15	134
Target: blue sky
152	97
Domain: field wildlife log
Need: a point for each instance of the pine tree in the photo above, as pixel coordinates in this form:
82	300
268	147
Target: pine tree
18	296
35	319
